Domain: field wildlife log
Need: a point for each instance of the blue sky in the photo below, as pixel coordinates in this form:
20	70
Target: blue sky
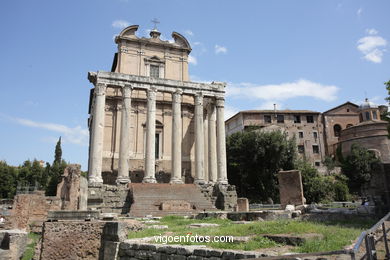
298	54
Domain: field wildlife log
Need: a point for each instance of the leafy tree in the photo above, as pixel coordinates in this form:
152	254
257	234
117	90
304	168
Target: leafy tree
357	166
255	158
8	175
385	115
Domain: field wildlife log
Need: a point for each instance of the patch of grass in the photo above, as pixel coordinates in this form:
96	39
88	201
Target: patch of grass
335	235
32	240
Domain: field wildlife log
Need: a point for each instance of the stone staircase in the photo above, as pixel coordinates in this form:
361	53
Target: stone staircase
161	199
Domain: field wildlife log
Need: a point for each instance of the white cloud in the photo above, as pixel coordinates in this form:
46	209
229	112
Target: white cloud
120	24
359	12
371	31
189	33
283	91
76	135
192	60
220	49
372	46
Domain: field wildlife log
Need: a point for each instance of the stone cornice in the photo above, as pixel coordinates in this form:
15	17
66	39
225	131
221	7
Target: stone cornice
215	89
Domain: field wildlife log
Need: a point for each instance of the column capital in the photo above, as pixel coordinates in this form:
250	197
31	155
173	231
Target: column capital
126	91
100	89
176	96
151	93
199	99
220	102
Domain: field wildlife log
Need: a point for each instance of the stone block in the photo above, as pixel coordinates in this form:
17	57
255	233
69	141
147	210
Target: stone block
228	255
242	204
214	253
184	251
115	231
200	252
290	188
175	205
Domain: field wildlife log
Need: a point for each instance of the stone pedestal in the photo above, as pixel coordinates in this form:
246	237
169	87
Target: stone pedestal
242	204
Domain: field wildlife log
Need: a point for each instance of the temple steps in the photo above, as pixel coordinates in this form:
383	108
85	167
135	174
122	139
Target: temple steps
148	197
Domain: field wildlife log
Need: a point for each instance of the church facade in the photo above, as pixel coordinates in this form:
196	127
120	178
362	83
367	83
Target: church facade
148	123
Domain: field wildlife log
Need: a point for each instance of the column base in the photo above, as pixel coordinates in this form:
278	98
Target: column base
176	181
122	180
224	182
149	180
199	181
95	180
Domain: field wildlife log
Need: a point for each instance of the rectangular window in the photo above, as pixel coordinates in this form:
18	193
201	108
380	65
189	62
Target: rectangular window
300	134
318	164
315	135
301	149
157	146
374	115
154	71
316	149
267	119
310	119
297	119
280	118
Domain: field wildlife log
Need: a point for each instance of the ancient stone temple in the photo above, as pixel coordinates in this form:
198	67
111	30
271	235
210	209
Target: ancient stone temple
148	123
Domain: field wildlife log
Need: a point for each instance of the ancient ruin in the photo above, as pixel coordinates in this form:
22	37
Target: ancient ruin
149	124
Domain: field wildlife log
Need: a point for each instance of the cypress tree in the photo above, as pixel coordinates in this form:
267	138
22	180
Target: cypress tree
58	153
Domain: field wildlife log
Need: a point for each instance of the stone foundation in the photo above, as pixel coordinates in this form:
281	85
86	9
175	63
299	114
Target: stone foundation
109	198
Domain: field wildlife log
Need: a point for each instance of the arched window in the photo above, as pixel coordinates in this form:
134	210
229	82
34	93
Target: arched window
337	130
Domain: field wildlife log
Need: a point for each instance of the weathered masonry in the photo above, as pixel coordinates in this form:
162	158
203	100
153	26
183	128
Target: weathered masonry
148	123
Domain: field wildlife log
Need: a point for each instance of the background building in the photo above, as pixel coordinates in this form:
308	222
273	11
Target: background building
305	125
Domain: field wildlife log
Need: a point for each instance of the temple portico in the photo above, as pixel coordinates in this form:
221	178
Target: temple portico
212	112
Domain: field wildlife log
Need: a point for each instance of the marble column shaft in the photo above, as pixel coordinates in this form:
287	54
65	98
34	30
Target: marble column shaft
176	137
96	152
124	148
150	159
199	139
221	145
212	144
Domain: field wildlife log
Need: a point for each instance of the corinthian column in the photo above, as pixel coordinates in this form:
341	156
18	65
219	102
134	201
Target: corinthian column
150	159
176	137
96	151
124	148
221	145
199	139
212	143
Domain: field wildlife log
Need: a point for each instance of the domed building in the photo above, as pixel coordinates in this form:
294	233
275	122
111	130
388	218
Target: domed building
371	133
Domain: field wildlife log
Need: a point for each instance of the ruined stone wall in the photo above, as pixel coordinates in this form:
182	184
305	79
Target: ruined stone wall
222	196
131	250
12	244
71	240
30	210
72	190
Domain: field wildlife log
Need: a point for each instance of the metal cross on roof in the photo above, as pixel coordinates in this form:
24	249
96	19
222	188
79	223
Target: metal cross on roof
155	21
